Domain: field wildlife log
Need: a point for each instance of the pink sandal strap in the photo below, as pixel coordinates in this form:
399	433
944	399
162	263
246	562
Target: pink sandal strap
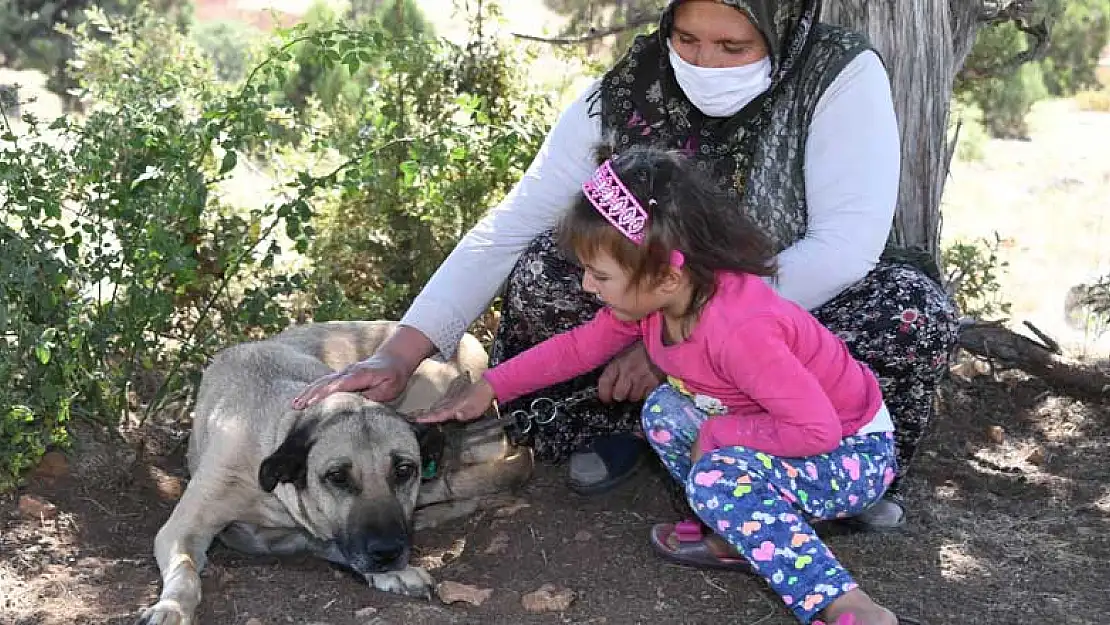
688	531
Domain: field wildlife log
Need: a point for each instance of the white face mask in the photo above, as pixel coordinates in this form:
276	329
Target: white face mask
721	91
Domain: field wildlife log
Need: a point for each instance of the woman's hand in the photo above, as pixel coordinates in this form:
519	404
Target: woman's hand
629	377
468	405
381	378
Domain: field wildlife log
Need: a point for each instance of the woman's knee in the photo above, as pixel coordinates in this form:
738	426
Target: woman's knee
898	320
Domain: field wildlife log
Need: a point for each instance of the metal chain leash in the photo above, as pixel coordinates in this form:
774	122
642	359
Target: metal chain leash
543	411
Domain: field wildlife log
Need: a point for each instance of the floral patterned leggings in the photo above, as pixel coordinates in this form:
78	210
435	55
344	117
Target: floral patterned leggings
897	320
761	503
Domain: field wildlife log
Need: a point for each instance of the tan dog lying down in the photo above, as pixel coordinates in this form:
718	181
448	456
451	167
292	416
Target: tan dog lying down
341	480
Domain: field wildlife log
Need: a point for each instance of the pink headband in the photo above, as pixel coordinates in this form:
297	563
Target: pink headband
619	207
616	203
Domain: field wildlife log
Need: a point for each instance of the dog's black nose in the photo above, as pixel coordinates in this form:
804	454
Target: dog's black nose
371	553
386	557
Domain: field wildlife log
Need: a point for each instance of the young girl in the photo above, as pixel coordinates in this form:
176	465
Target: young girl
766	418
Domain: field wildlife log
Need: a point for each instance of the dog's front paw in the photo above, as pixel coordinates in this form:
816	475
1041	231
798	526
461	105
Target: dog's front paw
412	581
165	612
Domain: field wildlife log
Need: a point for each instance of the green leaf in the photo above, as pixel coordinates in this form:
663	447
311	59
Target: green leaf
229	161
42	352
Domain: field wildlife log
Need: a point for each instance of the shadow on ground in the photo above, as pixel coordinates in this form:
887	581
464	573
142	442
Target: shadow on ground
1001	533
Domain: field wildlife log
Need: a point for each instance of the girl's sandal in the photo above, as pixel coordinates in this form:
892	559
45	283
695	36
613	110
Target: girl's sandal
685	543
850	619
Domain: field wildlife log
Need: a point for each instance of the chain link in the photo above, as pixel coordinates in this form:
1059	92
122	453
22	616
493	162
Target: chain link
544	410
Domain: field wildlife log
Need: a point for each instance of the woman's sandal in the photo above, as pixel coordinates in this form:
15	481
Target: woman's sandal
690	547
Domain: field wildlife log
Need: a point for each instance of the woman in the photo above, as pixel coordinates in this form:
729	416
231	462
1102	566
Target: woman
792	118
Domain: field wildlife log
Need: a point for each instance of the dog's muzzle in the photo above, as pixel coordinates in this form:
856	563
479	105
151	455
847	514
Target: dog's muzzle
379	541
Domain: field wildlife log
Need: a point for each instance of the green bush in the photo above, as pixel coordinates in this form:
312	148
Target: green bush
228	46
122	269
461	129
123	264
1087	306
971	275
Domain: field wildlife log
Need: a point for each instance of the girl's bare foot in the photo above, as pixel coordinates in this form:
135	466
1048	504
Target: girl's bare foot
857	604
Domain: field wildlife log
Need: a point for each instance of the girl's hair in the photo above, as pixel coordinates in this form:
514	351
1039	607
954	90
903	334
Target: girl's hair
686	212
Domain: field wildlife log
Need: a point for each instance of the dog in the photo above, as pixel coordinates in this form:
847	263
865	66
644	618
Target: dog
348	479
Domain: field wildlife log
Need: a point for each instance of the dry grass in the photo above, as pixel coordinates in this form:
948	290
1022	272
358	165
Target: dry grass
1047	199
1097	101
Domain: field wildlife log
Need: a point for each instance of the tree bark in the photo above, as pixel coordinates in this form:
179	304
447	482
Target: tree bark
923	43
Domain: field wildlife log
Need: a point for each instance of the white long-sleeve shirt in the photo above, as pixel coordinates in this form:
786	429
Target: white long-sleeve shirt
852	165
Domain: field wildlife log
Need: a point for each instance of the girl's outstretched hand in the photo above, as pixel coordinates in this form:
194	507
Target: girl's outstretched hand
468	405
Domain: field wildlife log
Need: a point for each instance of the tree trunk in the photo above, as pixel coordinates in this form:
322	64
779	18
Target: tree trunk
923	43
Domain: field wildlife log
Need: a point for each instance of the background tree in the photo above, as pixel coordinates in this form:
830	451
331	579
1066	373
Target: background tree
36	34
1004	82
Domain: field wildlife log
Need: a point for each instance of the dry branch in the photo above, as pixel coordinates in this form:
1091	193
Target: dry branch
594	33
1007	349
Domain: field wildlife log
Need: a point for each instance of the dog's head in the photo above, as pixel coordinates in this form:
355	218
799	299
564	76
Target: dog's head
353	470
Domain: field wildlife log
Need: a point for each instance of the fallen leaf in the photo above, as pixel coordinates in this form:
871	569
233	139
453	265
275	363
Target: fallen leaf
548	598
454	592
366	612
498	545
512	509
32	507
52	466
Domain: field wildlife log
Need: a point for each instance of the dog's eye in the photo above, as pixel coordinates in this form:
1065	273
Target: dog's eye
338	478
404	471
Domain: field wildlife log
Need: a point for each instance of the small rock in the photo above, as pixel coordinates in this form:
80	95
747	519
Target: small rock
52	466
1036	457
454	592
254	621
366	612
996	434
32	507
583	536
512	509
548	598
498	545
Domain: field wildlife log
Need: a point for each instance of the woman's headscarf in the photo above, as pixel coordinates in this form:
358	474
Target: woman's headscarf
641	103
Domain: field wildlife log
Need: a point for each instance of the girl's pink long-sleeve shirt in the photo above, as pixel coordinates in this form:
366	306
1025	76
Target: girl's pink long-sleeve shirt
770	376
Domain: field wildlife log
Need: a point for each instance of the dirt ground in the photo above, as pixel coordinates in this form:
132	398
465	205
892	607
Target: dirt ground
1000	533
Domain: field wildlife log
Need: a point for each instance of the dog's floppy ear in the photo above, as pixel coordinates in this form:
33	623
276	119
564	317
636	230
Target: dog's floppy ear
431	437
289	462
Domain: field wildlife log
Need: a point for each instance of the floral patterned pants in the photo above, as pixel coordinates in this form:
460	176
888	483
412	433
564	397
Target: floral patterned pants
761	504
897	320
